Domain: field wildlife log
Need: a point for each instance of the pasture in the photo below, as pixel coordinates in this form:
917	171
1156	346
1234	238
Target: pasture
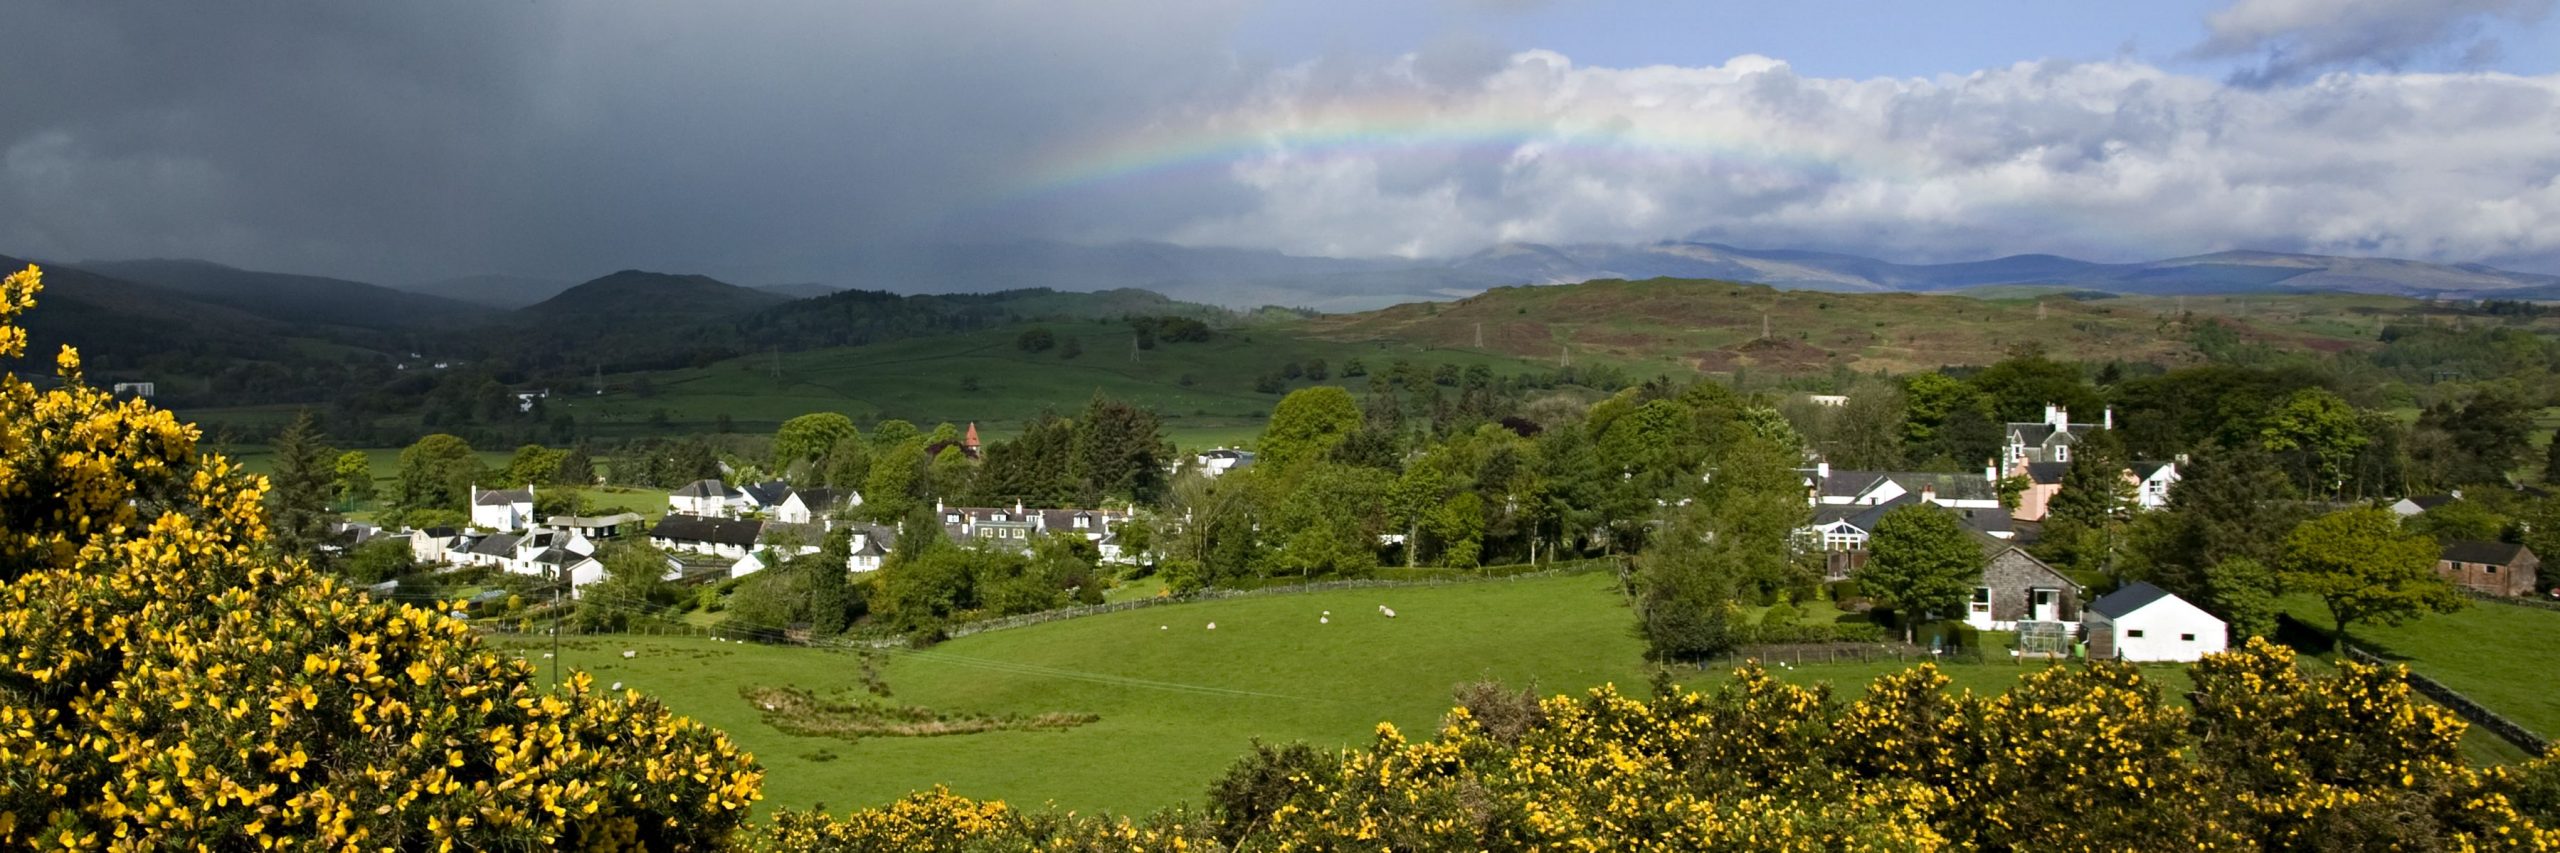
2505	656
1177	701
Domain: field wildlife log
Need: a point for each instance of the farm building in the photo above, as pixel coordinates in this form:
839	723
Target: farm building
2142	622
2494	568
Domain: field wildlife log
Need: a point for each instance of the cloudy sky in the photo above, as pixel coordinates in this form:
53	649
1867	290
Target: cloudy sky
781	140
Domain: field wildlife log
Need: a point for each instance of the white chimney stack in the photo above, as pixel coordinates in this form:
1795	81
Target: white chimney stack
2057	417
2110	417
1990	472
1822	470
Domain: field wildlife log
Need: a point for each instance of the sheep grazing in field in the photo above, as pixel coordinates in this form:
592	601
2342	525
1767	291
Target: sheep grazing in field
617	685
1324	620
628	654
1213	626
1390	612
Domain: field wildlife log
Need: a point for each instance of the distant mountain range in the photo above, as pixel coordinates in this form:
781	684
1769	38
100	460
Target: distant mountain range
1243	277
297	299
2220	272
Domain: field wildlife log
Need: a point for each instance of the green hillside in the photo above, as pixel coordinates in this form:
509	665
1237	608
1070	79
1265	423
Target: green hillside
1718	326
1205	390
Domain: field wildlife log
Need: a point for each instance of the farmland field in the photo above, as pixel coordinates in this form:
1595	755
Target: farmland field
2505	656
1177	700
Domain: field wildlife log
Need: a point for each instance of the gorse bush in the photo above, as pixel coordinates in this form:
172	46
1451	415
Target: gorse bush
2073	758
166	682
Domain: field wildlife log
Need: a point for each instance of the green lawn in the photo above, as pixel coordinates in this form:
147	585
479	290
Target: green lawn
2504	656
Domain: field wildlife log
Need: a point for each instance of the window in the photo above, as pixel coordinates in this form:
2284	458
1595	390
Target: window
951	518
2186	638
2490	569
2135	633
2062	453
1981	599
1083	522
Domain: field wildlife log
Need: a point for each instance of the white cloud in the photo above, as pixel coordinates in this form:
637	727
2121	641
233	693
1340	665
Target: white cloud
2111	160
2300	38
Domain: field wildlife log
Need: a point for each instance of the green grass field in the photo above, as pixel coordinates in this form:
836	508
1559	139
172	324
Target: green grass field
1178	701
2504	656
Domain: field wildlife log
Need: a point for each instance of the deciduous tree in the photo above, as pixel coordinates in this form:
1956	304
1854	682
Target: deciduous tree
2365	568
1920	562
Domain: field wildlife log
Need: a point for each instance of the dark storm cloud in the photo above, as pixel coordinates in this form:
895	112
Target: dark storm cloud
401	141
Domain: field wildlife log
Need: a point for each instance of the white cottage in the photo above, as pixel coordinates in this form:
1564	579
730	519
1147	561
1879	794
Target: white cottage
2142	622
502	510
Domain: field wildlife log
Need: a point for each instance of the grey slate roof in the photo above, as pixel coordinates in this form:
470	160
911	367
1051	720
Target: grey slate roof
2144	470
2428	502
2138	595
1948	486
503	497
717	531
496	545
2491	553
2047	473
704	488
768	493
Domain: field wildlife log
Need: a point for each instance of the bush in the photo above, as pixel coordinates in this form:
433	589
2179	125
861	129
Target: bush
169	683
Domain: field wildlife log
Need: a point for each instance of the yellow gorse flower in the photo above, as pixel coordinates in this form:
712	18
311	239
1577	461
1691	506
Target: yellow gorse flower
184	689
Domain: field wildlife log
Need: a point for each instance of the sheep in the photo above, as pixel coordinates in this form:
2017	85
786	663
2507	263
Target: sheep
1213	626
1388	611
628	654
617	685
1324	620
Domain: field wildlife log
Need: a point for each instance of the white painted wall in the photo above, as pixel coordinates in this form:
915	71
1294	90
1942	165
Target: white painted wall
2171	630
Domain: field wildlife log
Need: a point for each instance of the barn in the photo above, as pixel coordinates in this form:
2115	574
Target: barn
2142	622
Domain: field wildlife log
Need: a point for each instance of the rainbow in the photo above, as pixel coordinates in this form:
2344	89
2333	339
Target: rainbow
1136	161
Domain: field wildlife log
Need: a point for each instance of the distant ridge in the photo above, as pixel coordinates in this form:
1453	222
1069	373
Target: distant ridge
503	292
1242	278
298	299
637	293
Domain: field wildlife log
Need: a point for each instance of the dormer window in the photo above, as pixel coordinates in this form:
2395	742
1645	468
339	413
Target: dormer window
951	518
2062	453
1083	522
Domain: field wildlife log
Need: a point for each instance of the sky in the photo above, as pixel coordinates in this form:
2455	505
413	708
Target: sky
796	140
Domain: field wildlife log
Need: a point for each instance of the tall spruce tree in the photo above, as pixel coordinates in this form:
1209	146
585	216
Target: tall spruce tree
298	504
2551	459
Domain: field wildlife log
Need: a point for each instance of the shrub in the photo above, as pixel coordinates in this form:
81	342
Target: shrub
170	684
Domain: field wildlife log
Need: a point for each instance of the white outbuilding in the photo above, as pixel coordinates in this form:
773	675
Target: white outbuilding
2142	622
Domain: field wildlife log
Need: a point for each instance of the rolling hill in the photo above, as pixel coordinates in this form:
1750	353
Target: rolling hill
634	294
503	292
300	300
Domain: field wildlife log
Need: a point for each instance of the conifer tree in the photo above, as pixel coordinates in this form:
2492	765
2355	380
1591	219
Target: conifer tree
299	493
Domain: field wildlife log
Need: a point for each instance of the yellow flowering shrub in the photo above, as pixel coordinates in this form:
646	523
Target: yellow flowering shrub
2071	758
165	684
